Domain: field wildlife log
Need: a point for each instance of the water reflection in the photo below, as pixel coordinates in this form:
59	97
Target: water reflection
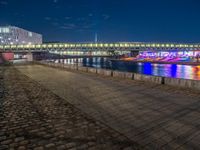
174	70
166	70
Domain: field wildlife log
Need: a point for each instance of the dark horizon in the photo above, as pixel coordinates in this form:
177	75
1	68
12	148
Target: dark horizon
114	21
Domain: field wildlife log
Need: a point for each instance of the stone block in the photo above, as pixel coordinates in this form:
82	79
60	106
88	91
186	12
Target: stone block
104	72
84	69
92	70
148	78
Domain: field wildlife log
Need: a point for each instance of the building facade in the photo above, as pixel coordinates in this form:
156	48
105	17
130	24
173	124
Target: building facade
11	35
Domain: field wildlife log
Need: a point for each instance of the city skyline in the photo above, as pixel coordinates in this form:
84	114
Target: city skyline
113	21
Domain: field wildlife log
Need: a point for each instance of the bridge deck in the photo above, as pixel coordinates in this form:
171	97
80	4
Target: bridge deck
152	115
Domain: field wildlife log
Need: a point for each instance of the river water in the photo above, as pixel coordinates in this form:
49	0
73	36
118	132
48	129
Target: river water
166	70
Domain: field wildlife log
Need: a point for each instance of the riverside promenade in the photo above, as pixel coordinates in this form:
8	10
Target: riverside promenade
32	117
123	114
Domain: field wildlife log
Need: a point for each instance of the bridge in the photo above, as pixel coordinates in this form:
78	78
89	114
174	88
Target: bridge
98	49
134	46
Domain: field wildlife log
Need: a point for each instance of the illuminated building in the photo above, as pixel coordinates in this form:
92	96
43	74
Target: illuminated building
13	36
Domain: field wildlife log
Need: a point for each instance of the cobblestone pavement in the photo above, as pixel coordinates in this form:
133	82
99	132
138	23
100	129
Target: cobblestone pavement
32	117
155	116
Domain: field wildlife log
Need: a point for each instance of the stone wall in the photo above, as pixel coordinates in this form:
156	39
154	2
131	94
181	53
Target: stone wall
193	84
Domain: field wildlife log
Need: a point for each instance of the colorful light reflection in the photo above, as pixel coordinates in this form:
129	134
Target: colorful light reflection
166	56
170	70
148	68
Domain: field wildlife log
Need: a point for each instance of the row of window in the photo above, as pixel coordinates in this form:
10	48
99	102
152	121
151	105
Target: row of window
4	30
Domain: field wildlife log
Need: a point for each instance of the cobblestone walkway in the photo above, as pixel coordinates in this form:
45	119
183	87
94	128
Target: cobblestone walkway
32	117
155	116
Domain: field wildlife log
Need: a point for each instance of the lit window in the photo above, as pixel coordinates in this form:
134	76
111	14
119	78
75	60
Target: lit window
44	46
4	30
30	34
137	45
191	46
105	45
126	45
121	45
147	45
132	45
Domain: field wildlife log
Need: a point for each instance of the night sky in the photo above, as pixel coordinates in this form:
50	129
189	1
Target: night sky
113	20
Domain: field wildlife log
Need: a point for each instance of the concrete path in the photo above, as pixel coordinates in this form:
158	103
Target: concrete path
155	116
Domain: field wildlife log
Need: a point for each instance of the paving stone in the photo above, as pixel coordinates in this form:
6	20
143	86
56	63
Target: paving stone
18	139
35	118
51	145
6	142
39	148
136	109
22	148
4	147
2	138
61	147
